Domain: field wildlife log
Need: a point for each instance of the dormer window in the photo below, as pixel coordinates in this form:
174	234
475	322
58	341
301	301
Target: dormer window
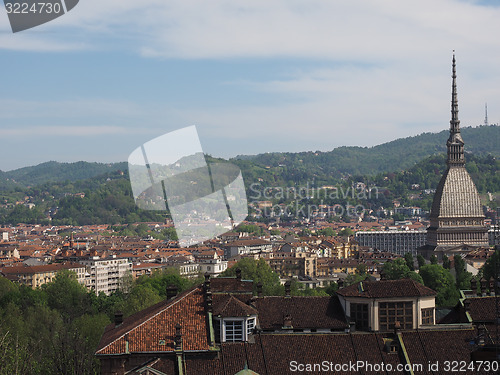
234	329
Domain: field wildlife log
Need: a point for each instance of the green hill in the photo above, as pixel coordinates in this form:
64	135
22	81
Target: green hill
393	156
53	171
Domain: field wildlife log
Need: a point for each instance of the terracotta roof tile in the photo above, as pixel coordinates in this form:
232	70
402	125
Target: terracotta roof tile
306	312
228	305
145	329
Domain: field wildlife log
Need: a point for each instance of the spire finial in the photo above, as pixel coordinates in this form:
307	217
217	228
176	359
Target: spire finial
455	122
455	143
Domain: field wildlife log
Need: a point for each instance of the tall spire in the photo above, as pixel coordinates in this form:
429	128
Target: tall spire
455	122
455	143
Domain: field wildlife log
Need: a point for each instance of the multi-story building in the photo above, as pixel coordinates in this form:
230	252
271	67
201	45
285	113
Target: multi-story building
293	264
246	246
36	276
211	262
105	274
395	241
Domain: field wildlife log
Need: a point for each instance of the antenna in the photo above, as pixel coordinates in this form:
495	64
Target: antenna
486	114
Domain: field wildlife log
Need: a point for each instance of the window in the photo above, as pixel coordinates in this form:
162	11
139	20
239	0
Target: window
428	316
234	330
359	315
390	312
217	330
250	326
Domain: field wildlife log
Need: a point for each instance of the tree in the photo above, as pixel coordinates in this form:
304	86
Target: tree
446	262
440	280
67	295
434	259
420	260
410	261
462	277
346	232
491	268
329	232
258	271
398	269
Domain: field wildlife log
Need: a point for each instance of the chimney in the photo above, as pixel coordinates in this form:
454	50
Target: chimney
287	321
171	291
178	337
238	274
207	282
288	289
260	293
484	284
491	286
118	318
473	286
467	305
340	283
208	301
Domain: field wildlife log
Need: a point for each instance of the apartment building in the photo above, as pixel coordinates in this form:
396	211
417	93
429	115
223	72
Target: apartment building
394	241
104	274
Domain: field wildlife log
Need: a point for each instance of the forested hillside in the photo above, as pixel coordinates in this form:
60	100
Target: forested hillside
393	156
79	194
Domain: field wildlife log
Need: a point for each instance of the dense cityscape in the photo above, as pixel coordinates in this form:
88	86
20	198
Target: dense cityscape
299	287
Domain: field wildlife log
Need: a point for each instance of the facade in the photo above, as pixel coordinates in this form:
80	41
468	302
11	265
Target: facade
36	276
393	241
211	262
222	328
457	216
376	306
246	246
104	274
288	265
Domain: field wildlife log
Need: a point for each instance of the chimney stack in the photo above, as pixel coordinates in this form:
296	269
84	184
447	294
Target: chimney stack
207	282
484	284
473	286
287	321
118	318
288	289
260	293
171	291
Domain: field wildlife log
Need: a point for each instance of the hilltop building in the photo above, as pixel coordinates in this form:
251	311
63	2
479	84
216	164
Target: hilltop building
457	218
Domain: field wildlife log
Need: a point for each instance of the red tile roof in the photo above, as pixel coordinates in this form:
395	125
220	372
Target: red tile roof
305	312
230	306
145	329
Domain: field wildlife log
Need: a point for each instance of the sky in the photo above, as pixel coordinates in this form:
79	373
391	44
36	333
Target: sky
254	76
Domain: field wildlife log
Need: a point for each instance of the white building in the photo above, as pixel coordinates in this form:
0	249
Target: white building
104	274
394	241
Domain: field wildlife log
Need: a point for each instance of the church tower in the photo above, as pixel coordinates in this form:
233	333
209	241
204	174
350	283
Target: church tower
457	218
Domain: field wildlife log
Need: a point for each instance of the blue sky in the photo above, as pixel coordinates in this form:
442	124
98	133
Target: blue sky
253	76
